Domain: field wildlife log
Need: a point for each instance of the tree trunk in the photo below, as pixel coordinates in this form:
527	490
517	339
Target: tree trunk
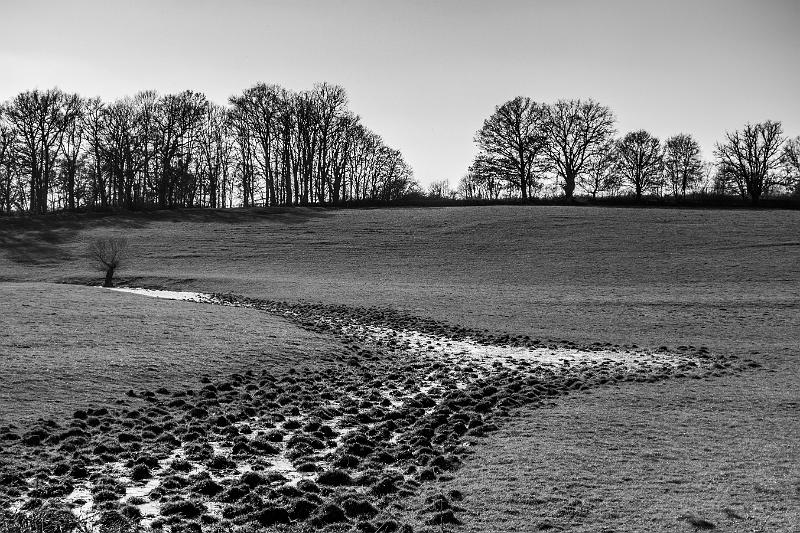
71	171
109	277
569	185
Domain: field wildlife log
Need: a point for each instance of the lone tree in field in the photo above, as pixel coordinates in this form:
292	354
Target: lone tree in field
109	254
749	156
512	142
640	160
577	132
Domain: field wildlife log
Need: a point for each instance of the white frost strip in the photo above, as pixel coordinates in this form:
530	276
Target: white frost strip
445	346
168	295
487	355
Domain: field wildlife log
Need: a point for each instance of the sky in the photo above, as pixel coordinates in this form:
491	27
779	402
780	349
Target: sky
426	74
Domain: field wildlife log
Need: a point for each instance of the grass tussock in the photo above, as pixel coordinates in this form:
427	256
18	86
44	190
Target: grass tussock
57	519
45	520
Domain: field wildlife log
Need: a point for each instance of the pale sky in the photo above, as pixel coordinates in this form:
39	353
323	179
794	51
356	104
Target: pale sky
425	74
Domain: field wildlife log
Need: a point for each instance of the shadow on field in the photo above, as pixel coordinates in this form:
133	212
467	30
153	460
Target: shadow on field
34	245
36	239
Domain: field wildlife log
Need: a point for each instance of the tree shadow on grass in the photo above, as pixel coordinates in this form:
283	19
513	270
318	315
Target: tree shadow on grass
38	239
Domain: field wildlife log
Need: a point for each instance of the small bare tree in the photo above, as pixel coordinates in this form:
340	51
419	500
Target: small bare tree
109	253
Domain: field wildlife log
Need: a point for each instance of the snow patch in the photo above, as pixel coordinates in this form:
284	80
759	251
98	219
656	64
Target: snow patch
168	295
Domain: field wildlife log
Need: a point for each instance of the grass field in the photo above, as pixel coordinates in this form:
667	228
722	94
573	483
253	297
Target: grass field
633	458
66	347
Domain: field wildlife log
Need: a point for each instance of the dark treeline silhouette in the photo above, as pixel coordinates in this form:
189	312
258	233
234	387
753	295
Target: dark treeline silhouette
570	145
269	146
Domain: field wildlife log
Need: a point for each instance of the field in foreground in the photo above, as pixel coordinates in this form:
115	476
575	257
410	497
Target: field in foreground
725	279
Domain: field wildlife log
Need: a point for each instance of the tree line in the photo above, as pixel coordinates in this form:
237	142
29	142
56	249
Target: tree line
271	146
573	144
268	146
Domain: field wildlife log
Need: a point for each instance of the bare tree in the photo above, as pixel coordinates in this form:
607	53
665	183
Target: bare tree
512	142
440	190
602	171
179	119
577	131
270	146
93	126
7	162
486	173
39	119
393	176
469	187
749	156
331	104
478	184
361	162
682	164
259	107
791	164
640	160
124	141
108	254
72	144
216	149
